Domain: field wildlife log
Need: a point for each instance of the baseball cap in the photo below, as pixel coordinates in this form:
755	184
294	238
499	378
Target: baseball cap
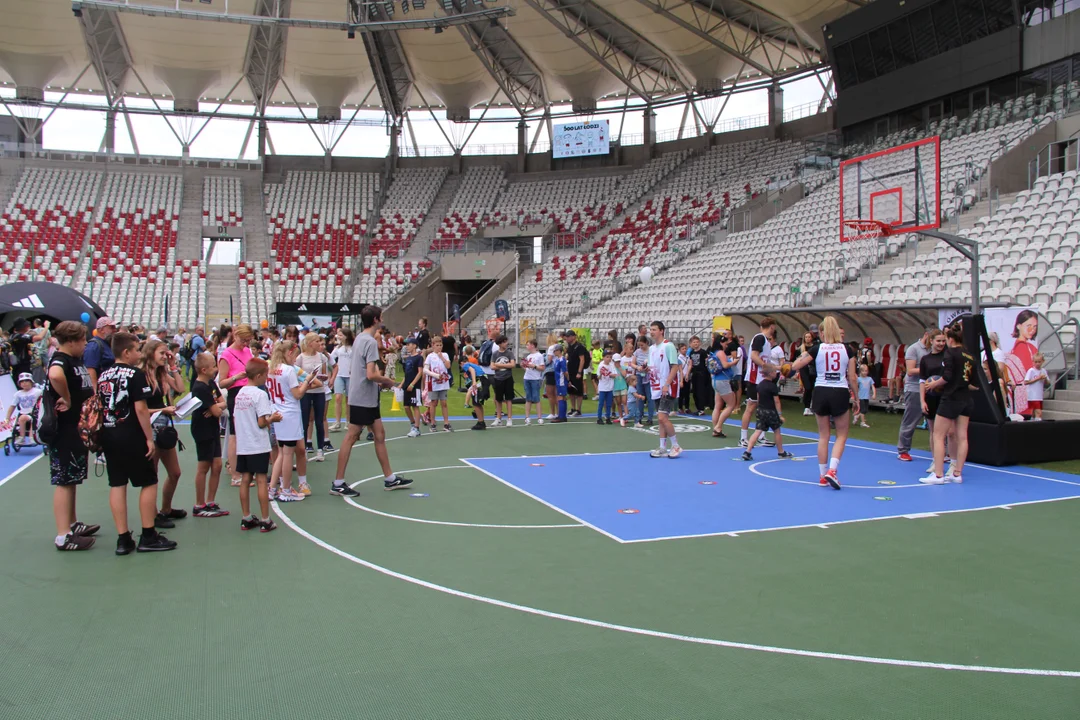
868	341
813	328
26	376
569	333
105	322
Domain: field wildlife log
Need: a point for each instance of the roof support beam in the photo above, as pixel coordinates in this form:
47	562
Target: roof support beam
644	69
520	79
107	49
265	55
393	76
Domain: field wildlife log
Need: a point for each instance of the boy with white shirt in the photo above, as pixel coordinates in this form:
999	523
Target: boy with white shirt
1036	379
664	386
605	387
437	379
534	374
252	417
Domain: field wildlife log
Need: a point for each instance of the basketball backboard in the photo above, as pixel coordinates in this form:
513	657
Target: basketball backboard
898	189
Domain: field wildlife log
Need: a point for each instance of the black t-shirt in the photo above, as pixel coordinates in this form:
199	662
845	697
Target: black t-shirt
449	346
21	346
697	361
423	339
202	427
79	386
156	399
932	365
767	392
574	355
958	369
119	388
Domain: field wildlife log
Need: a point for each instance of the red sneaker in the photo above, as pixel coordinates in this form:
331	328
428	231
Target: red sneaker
905	457
830	477
823	482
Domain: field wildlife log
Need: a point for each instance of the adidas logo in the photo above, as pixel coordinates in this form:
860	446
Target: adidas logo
302	307
33	301
344	308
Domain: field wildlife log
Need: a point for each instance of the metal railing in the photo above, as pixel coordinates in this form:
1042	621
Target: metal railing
1054	158
1075	345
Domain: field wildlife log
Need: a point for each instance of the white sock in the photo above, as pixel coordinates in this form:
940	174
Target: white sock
822	467
61	539
339	481
663	443
391	477
834	463
674	442
742	434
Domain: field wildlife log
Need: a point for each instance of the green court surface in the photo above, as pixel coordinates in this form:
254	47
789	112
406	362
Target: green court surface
478	601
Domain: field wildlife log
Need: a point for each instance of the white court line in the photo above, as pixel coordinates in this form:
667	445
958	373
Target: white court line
620	452
544	502
442	522
753	469
24	467
866	659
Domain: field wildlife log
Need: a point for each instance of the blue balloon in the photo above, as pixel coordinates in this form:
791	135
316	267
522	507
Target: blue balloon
86	317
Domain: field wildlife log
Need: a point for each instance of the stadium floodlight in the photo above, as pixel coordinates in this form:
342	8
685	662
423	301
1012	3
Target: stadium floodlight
405	7
76	10
351	34
438	29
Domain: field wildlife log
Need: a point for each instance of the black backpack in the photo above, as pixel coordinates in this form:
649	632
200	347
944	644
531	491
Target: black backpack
48	422
485	353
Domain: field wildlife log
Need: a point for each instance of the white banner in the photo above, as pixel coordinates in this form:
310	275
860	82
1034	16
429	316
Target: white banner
583	138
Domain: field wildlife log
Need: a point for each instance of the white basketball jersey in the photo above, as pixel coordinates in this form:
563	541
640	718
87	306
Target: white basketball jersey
753	372
832	364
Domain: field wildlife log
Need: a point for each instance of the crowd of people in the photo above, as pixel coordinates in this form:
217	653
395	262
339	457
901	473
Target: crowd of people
267	392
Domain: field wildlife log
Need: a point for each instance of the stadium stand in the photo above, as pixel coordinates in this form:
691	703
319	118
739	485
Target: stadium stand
480	186
45	224
381	280
223	201
408	200
578	205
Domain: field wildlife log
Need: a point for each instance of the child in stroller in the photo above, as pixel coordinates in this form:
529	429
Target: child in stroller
25	407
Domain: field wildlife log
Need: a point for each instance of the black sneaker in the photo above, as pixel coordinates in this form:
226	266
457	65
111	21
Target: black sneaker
599	421
447	428
215	506
76	542
327	447
343	490
607	421
718	434
308	447
125	544
249	523
479	426
157	543
746	456
767	443
397	483
207	511
371	437
176	514
162	521
784	455
266	526
81	528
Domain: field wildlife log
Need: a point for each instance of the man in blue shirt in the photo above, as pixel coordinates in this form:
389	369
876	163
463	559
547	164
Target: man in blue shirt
98	355
198	345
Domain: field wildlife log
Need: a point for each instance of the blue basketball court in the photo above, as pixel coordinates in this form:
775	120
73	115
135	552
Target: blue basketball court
631	497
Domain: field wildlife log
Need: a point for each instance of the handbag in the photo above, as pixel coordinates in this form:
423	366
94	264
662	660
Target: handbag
166	437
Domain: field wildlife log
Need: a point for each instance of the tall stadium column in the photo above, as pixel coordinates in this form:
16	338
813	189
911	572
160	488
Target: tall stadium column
776	107
110	130
395	143
522	145
649	127
264	136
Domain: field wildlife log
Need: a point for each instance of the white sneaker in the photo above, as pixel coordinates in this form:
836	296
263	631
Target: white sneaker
659	453
952	475
528	421
495	422
319	456
932	479
807	411
333	427
744	442
509	422
414	432
550	417
674	452
539	421
99	459
930	468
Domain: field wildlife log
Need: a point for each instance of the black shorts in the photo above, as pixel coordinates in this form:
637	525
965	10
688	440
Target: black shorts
932	402
864	406
768	419
67	457
952	408
504	389
549	379
363	416
208	450
483	392
577	386
830	401
751	391
287	443
230	403
412	397
254	464
126	462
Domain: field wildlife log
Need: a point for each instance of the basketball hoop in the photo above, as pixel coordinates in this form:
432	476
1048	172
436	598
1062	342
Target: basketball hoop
865	229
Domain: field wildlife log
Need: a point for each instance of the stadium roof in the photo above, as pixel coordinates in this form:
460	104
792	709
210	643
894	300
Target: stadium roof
457	54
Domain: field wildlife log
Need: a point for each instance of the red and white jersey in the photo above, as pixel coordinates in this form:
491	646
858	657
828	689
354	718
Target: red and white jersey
832	365
280	383
764	348
440	380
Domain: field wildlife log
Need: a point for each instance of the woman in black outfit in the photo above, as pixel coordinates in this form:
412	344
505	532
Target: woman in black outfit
954	410
164	379
932	368
807	375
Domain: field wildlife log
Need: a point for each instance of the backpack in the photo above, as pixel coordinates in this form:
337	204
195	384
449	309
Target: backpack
485	353
713	364
91	419
588	360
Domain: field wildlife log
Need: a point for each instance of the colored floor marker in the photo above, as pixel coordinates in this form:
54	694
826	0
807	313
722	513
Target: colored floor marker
882	497
706	482
798	459
886	482
628	511
536	464
418	495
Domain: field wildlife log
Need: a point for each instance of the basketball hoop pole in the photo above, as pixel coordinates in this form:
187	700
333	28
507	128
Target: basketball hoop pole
970	250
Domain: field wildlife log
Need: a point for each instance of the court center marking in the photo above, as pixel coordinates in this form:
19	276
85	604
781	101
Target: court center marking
753	469
865	659
444	522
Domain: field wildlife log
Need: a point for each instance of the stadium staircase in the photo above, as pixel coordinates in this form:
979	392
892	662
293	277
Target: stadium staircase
256	240
189	235
1065	404
221	284
439	209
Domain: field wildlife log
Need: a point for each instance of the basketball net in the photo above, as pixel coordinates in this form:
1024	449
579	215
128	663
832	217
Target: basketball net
865	229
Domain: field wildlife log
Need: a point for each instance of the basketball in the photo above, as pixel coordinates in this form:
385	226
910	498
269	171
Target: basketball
646	274
785	369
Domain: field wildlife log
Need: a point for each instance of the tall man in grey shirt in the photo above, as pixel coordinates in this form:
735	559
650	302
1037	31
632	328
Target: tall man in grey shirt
912	400
364	405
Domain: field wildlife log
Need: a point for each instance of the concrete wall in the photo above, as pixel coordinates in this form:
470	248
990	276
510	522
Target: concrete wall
426	298
1009	173
809	126
1051	41
467	267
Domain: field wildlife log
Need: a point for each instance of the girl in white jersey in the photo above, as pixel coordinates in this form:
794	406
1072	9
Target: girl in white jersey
286	389
836	384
